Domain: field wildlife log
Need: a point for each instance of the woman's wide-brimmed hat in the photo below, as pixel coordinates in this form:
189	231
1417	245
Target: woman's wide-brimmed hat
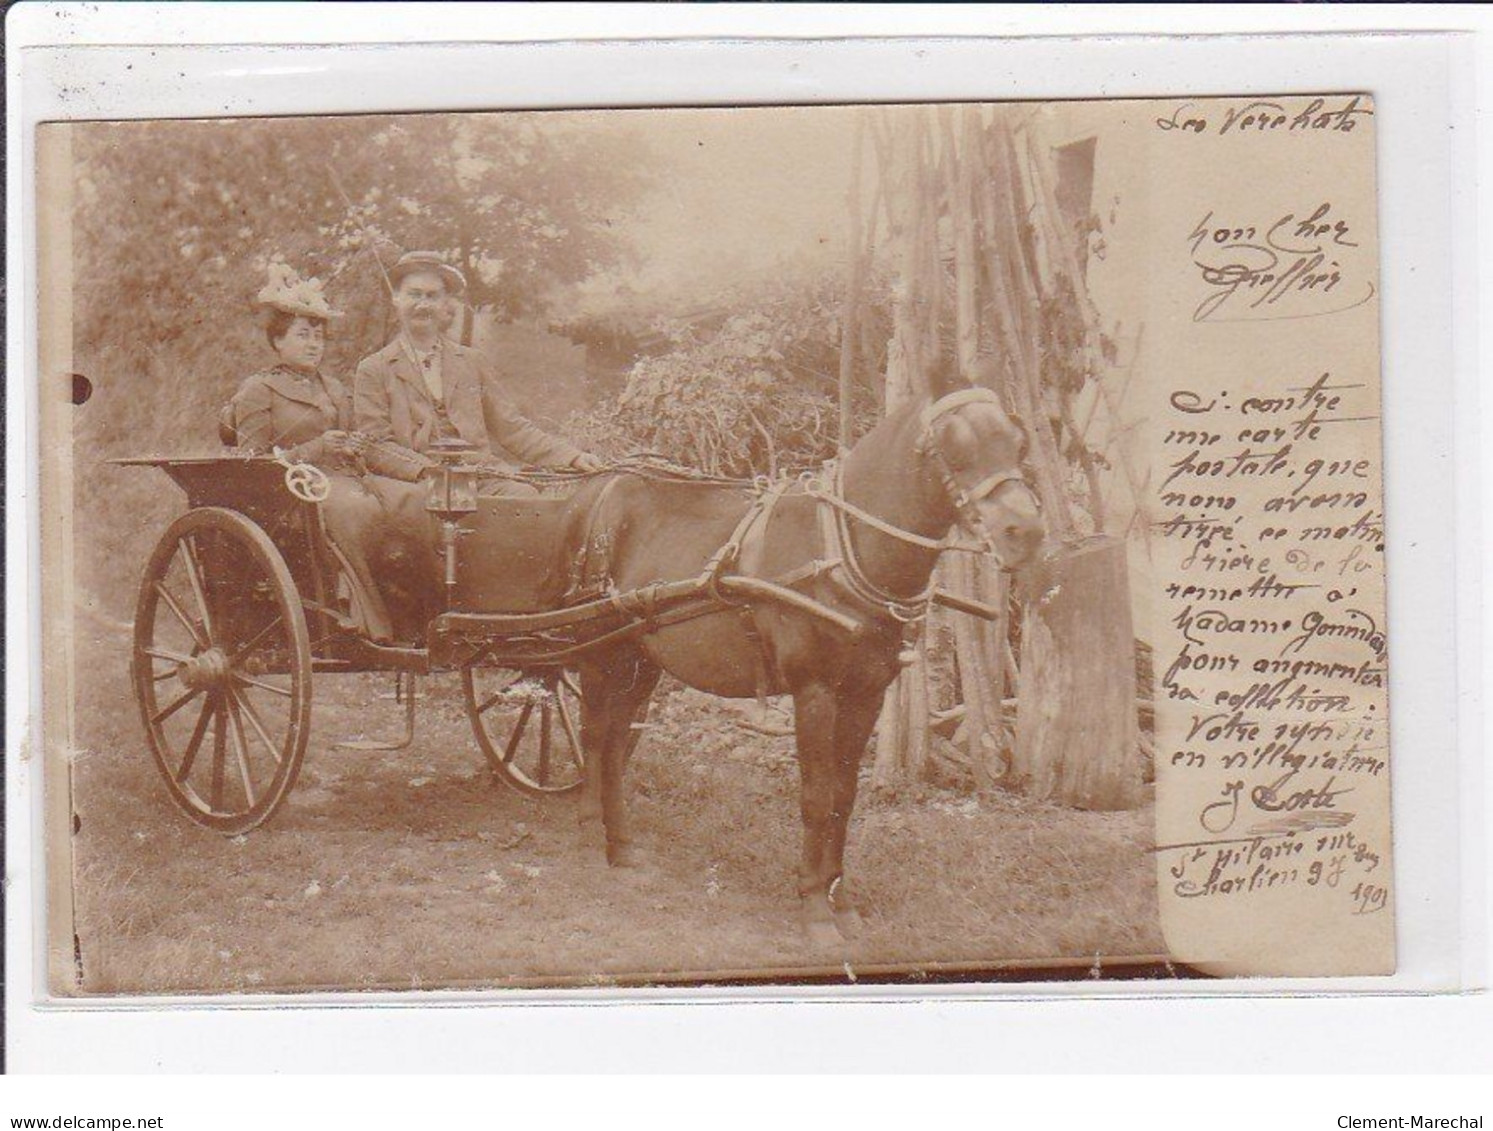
287	291
432	262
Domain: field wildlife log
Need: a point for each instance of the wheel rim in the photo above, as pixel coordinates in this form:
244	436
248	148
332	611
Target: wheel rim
222	670
532	745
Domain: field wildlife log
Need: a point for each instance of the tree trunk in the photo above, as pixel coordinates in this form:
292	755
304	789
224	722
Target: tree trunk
1012	291
903	732
981	682
903	728
1077	738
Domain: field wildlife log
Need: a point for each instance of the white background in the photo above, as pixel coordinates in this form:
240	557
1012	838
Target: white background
1427	223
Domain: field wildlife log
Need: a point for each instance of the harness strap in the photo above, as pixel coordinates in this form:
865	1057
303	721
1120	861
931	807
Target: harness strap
756	515
846	570
992	483
835	499
582	582
958	399
747	545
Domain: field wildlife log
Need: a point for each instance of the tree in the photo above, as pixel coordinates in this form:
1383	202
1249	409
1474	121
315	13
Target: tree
176	221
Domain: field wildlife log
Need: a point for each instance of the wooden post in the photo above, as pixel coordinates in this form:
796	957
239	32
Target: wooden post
981	681
903	734
851	308
1077	739
1012	289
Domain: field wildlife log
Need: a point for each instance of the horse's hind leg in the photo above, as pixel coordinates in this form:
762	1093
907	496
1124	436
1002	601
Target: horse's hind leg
615	693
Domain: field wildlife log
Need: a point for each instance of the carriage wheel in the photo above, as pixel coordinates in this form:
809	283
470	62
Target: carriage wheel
532	742
222	669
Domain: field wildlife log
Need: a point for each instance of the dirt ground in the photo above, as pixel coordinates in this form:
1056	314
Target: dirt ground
418	869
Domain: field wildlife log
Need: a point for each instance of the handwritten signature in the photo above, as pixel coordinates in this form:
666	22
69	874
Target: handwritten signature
1266	116
1219	816
1291	264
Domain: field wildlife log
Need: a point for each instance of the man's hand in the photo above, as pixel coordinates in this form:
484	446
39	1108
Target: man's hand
587	462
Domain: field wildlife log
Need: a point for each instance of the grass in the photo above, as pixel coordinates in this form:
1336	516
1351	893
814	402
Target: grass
416	869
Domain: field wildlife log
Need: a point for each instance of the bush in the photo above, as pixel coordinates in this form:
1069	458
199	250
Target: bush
751	392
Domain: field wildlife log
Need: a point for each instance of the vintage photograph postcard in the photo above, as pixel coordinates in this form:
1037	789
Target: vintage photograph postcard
880	543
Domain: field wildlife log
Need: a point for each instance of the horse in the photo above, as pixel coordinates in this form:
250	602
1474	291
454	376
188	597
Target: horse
865	545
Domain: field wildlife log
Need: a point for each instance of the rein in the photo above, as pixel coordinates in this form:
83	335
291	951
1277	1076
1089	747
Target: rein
835	498
837	532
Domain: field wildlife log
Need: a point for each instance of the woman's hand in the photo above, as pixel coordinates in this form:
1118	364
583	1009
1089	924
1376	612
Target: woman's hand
347	444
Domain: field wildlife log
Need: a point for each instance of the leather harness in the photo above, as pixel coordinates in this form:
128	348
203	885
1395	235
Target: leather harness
744	550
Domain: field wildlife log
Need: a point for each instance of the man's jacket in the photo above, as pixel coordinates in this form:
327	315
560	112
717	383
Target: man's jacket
392	403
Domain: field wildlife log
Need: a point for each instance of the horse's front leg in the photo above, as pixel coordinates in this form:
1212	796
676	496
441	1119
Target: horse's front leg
855	717
814	726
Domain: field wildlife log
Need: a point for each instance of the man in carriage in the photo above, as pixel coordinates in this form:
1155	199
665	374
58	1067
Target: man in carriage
423	387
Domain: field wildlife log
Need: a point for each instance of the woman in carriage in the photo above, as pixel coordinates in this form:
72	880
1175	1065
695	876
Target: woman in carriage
373	514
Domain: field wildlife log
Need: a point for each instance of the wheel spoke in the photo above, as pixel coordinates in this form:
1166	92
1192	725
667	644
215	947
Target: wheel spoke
497	696
248	712
170	657
205	716
241	749
190	625
194	578
220	726
254	641
518	732
167	654
262	685
176	705
544	745
576	753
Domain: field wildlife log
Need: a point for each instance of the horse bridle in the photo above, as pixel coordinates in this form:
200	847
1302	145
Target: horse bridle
966	499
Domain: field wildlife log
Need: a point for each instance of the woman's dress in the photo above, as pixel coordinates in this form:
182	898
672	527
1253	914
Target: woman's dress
377	524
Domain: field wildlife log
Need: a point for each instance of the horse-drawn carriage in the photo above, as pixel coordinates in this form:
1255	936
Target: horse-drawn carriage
807	587
246	598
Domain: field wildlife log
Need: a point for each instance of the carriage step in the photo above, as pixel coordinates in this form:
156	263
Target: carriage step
404	689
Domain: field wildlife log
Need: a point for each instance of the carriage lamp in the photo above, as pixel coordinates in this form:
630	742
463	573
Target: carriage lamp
453	494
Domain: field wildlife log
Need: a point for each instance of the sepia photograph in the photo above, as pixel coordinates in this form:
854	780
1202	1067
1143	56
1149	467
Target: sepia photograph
672	547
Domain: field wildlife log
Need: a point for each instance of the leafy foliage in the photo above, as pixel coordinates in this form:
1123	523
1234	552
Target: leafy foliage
176	222
749	386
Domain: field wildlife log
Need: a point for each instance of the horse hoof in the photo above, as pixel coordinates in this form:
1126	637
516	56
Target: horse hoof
850	922
822	934
624	856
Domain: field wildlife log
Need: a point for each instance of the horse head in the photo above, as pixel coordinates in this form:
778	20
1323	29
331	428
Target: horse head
976	449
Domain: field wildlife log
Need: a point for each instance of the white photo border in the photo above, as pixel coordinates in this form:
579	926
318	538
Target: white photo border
1424	117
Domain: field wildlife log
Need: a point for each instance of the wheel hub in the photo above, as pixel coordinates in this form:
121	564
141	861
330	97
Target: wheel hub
205	671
